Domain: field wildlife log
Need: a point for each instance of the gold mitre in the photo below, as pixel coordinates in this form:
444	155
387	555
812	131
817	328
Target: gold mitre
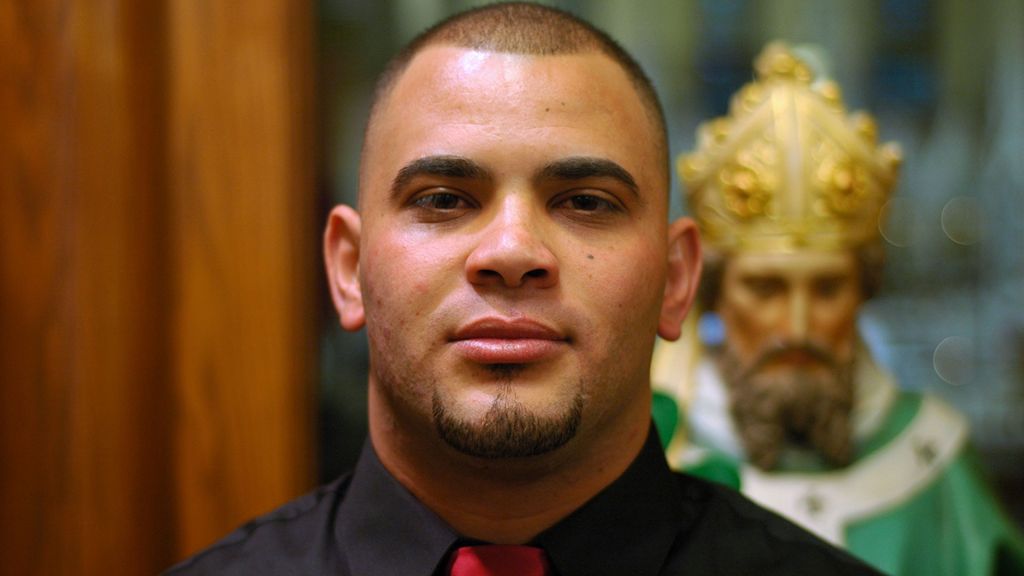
787	169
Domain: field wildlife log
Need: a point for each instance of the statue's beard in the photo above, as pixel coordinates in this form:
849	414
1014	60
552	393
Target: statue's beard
775	405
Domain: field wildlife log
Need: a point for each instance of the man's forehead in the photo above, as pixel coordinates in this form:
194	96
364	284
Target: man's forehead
452	64
445	67
448	96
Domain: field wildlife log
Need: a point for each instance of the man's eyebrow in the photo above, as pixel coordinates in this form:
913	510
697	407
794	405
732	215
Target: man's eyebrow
582	167
445	166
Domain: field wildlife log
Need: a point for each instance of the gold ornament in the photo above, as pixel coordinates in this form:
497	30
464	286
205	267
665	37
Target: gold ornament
787	169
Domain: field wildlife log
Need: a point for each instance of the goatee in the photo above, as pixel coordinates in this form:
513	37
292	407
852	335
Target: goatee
508	429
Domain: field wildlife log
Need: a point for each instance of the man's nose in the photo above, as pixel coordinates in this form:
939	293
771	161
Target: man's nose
512	251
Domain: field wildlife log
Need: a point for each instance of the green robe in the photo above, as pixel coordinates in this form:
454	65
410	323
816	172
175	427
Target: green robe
914	501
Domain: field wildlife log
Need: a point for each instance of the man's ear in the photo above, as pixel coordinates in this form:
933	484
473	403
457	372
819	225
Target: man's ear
684	264
341	257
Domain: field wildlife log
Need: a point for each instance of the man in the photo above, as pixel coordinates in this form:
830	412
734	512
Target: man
512	263
788	192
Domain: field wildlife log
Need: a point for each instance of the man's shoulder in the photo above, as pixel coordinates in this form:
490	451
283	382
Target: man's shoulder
739	536
278	542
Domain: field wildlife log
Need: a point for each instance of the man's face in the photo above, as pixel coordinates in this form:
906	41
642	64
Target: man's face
790	331
513	252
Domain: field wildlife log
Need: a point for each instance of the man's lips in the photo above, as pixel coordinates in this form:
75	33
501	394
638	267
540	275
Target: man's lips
507	341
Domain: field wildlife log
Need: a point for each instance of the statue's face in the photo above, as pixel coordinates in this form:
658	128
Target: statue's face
791	300
790	333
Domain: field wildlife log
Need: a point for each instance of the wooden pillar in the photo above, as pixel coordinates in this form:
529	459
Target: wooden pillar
84	301
241	167
157	256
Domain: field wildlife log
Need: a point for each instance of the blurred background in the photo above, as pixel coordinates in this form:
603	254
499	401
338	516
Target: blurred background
171	364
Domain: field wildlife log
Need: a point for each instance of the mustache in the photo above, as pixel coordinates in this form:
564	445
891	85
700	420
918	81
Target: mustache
776	350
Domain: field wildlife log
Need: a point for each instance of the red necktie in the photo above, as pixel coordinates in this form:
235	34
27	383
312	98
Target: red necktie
495	560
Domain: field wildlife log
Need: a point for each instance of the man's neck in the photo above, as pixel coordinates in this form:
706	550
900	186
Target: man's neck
507	501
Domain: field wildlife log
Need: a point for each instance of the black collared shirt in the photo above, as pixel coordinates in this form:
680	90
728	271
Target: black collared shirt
650	521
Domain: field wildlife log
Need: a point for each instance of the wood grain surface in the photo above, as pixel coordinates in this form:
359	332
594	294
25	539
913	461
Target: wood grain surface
157	254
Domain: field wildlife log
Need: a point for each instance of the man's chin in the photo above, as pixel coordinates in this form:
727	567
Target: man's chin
508	429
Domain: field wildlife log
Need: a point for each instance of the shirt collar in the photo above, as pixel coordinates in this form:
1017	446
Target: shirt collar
628	528
384	529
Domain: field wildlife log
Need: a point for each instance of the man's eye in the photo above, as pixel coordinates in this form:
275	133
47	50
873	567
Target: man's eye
589	203
440	201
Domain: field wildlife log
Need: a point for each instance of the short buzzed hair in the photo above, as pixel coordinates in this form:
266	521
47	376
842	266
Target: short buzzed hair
529	29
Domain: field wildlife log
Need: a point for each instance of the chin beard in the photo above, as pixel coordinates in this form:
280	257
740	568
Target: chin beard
508	429
775	407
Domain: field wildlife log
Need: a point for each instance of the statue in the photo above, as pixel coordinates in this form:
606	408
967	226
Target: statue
790	407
